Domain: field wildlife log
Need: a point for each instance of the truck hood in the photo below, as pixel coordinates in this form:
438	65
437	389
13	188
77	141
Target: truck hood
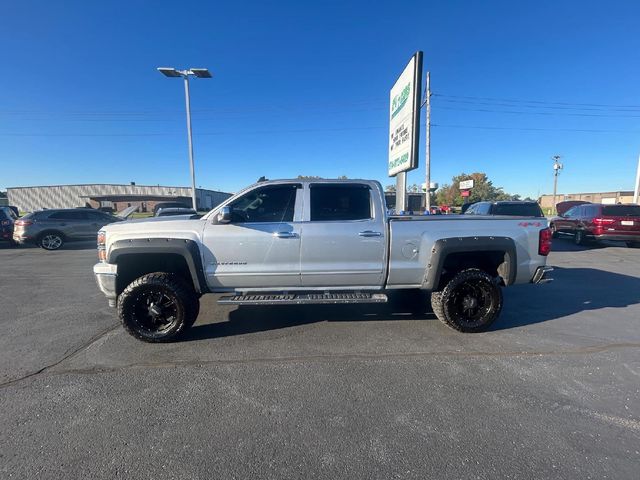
163	227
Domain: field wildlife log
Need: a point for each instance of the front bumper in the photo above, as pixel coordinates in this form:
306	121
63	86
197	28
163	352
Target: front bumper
541	275
106	275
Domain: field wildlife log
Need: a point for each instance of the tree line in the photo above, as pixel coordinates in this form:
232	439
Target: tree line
450	194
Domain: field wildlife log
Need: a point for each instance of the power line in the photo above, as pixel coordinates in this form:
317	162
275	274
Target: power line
548	107
534	129
522	112
158	134
537	101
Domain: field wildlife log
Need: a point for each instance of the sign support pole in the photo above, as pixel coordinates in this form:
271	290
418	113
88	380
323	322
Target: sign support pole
401	192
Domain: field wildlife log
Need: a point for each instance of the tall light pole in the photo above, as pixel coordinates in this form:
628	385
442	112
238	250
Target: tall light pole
200	73
557	166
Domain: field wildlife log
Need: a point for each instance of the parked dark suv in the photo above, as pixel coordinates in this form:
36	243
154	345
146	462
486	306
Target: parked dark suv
594	221
510	208
50	229
7	219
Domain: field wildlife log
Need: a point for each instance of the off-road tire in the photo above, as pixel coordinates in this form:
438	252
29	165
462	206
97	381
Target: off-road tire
174	294
578	237
51	240
446	305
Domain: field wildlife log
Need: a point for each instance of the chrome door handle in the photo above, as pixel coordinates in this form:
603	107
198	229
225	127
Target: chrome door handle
370	233
285	234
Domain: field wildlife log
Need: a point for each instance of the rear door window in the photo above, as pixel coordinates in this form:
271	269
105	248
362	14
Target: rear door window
340	202
98	216
70	215
590	211
482	209
621	210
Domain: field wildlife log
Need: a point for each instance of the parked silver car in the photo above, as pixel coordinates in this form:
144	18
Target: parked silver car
50	229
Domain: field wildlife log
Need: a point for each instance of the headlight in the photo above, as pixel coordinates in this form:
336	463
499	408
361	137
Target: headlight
102	244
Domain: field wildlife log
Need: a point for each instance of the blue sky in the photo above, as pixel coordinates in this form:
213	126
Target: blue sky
302	88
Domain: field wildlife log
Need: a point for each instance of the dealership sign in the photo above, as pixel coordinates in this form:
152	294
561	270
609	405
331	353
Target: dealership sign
404	118
466	184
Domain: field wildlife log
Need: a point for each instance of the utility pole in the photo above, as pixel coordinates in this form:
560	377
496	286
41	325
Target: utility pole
636	188
557	166
428	145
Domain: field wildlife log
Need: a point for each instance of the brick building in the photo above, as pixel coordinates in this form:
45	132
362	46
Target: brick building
546	201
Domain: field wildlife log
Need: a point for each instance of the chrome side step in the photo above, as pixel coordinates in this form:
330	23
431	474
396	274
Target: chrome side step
303	298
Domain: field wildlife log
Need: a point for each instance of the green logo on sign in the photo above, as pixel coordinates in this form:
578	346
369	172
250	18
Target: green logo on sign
396	162
400	100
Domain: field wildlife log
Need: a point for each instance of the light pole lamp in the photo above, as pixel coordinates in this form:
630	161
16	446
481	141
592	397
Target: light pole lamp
200	73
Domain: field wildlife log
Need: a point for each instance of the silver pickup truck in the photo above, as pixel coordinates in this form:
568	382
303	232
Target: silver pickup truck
312	242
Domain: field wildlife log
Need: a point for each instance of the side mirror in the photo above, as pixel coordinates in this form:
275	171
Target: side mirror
224	215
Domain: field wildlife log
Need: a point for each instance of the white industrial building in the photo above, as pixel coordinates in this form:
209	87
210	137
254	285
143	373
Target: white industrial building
117	196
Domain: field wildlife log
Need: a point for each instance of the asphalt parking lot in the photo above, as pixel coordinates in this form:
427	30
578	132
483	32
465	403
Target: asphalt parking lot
552	391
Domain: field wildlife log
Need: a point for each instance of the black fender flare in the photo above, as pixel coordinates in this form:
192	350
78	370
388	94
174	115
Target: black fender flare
446	246
187	249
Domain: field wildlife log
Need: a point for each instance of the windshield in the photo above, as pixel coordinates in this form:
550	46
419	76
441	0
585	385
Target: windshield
621	210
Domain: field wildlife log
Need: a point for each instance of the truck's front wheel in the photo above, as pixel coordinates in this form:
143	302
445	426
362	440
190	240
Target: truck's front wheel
157	307
470	302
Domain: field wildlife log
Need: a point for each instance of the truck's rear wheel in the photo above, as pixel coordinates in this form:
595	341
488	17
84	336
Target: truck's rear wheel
470	302
158	307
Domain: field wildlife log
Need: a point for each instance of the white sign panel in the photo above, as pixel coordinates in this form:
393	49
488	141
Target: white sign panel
466	184
404	118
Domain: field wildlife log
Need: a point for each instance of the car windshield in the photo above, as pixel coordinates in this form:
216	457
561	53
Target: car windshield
518	209
621	210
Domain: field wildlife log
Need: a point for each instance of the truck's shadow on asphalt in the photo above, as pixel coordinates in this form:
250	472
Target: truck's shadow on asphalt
404	305
575	290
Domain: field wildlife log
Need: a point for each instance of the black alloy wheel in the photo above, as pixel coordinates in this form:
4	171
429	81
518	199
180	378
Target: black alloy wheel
470	302
158	307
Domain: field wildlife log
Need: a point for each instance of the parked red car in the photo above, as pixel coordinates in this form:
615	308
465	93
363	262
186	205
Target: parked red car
593	221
